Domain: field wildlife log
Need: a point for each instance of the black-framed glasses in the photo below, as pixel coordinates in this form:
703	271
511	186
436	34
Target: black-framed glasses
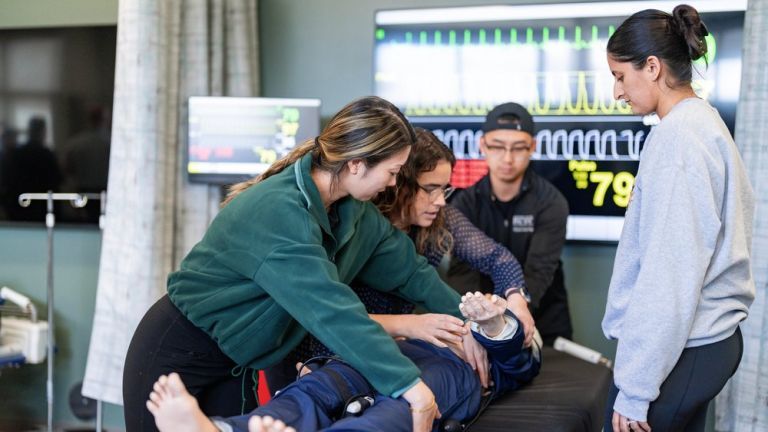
518	152
434	191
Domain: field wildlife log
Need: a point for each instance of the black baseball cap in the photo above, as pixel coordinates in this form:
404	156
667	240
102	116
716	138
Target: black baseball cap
509	115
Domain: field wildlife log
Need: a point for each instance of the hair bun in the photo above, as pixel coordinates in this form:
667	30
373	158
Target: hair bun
687	23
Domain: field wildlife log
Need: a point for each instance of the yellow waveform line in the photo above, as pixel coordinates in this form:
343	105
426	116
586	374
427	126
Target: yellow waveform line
537	107
542	105
562	104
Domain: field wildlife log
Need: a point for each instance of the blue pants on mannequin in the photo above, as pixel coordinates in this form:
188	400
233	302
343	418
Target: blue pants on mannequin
317	401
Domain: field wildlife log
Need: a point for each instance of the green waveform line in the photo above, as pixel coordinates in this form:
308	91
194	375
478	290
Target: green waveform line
580	43
577	41
538	38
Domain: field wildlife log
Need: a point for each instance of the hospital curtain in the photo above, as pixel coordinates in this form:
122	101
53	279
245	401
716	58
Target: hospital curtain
741	407
166	51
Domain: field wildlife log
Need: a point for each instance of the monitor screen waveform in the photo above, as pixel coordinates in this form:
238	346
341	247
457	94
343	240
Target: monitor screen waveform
553	70
231	139
447	68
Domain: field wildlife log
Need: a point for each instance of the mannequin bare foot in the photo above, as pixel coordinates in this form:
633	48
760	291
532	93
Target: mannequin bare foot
175	409
486	310
267	424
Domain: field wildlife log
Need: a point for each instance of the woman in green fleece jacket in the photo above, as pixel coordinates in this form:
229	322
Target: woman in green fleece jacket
276	263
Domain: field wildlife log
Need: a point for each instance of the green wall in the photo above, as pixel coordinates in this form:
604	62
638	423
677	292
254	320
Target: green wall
23	268
57	13
587	275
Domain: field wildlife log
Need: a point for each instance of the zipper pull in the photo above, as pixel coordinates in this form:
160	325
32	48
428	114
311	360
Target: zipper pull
506	223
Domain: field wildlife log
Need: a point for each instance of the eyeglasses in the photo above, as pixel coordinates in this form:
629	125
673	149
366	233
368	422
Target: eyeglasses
435	191
501	151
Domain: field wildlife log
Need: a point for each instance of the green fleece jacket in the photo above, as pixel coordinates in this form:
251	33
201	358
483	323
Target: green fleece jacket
271	266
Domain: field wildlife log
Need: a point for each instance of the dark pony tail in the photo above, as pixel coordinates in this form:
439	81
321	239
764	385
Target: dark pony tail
279	165
687	22
676	39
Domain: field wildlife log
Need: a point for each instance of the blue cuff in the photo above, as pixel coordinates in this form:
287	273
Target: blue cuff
400	392
511	325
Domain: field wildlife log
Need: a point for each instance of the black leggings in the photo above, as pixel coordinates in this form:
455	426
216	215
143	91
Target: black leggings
165	341
699	375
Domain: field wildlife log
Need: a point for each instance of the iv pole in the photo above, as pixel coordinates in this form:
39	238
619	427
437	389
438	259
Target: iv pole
77	201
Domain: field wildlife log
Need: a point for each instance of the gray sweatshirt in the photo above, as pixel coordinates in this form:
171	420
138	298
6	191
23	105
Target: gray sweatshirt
682	275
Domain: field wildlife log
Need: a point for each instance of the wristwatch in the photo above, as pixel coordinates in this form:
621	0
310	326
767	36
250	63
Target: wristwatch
521	290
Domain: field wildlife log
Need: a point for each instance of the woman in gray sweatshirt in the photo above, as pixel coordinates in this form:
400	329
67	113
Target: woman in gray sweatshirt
681	281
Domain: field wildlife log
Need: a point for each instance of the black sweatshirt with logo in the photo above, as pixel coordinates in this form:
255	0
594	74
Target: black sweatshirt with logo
532	226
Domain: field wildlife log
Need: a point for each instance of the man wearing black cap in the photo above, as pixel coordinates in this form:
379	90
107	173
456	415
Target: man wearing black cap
523	211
